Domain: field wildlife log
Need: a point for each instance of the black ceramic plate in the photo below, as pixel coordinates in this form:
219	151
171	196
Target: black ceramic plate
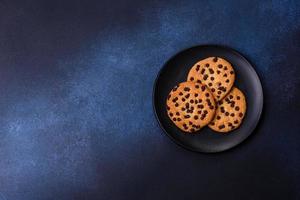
176	70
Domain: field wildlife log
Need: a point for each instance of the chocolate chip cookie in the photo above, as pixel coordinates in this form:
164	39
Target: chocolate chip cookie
190	106
216	73
230	112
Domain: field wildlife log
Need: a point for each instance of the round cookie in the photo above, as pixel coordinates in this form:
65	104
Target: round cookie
216	73
190	106
230	112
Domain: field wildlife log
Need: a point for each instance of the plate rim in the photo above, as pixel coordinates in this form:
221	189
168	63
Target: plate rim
216	46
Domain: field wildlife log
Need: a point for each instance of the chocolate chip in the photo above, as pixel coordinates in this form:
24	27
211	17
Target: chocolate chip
174	89
174	119
199	112
202	71
171	114
232	104
211	107
197	86
230	96
187	116
220	66
196	117
192	78
212	123
205	112
186	89
187	96
176	104
222	111
213	89
218	96
187	105
212	78
206	65
200	100
225	68
180	93
215	59
183	99
218	72
183	109
222	88
237	108
231	72
206	94
177	113
202	88
218	117
198	81
205	76
192	130
196	95
196	101
200	106
198	67
232	127
191	101
209	84
211	71
236	122
185	127
238	97
241	115
202	117
227	81
221	126
169	96
168	108
190	123
219	92
192	107
232	114
175	99
226	113
225	75
230	124
178	119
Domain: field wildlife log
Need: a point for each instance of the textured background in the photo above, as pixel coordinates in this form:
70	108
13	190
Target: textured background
76	83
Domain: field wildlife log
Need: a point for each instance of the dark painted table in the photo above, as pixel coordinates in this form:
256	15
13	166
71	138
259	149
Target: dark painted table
76	83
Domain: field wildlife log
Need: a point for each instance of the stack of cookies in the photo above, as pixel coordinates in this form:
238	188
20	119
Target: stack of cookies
208	97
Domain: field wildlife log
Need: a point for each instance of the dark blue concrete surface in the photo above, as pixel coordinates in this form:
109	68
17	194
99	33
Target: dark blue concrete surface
76	117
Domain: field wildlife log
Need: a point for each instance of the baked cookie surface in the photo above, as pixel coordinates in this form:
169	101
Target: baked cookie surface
190	106
216	73
230	112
